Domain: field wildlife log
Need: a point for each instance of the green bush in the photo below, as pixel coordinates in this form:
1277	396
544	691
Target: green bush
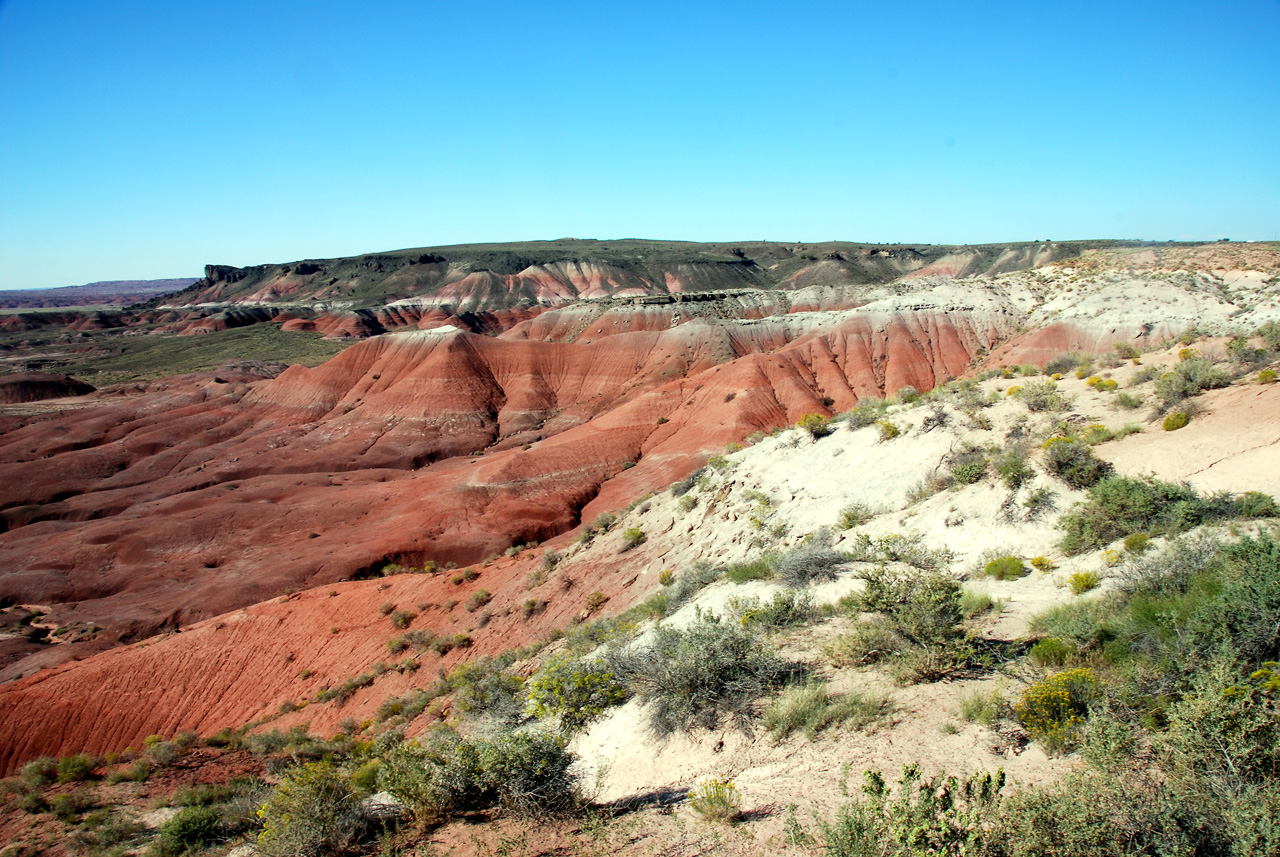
191	830
810	708
922	816
867	412
854	515
1042	396
760	568
77	768
1013	469
1189	378
1255	504
1137	543
895	547
1051	652
1083	581
632	537
1267	376
1073	462
786	608
478	599
574	690
815	424
313	811
1054	709
693	677
922	608
866	643
715	800
983	705
968	469
1119	506
1175	421
1128	400
40	772
888	431
526	774
1005	568
1064	363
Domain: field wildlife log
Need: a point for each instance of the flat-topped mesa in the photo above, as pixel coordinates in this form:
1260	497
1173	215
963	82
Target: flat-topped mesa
489	277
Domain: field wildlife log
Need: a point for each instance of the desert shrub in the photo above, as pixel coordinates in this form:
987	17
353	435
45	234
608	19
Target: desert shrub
1267	376
632	537
1099	433
1083	581
1125	351
1255	504
1175	421
888	431
810	708
594	601
715	799
1270	334
1120	505
529	774
785	609
867	642
690	583
811	561
484	687
919	816
1042	563
906	548
1054	709
928	486
526	774
923	608
1064	363
853	515
478	599
760	568
1128	400
402	618
907	395
313	811
1043	396
1051	652
976	603
983	705
1189	378
40	772
67	807
684	486
816	425
76	769
968	467
576	691
138	772
1012	468
386	607
1005	568
192	829
1074	462
1136	543
693	677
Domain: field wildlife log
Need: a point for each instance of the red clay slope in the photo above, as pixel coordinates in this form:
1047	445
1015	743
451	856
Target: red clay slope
193	500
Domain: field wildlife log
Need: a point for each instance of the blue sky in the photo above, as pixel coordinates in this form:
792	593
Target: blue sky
144	139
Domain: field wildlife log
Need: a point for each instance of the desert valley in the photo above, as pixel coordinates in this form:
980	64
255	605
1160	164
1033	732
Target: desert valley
660	544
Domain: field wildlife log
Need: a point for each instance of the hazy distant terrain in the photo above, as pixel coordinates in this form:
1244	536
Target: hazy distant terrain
105	293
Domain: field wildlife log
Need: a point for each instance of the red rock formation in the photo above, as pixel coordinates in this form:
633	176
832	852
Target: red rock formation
38	386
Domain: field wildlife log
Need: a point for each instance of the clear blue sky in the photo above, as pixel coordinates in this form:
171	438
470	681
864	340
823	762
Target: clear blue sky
144	139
